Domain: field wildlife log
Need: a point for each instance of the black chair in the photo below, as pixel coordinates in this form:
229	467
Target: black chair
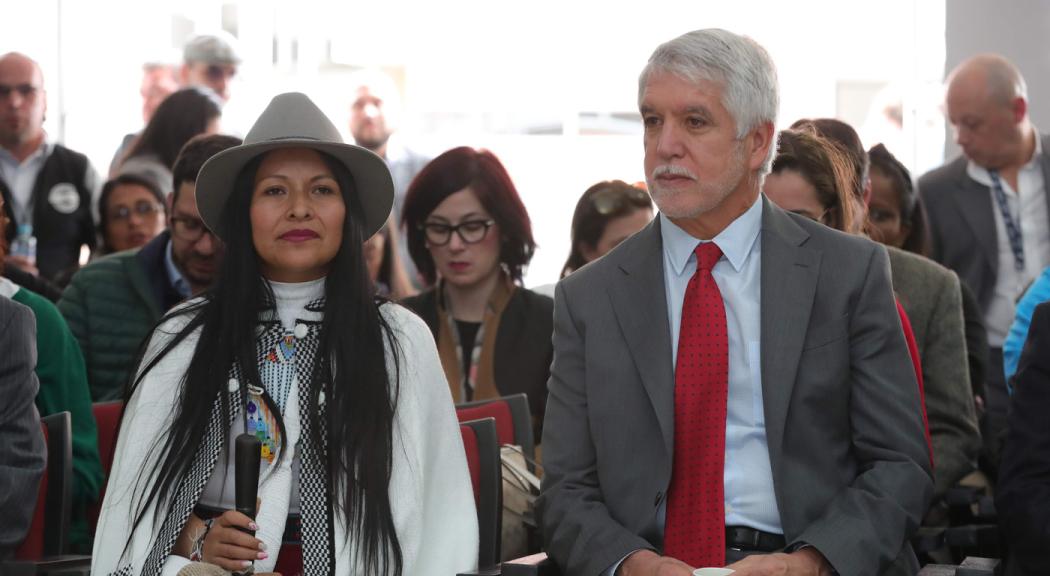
44	551
48	532
483	460
971	566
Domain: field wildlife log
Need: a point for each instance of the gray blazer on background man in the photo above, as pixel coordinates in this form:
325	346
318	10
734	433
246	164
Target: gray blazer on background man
849	458
961	214
23	455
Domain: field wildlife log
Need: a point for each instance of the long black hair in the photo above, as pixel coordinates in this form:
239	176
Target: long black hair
181	116
362	395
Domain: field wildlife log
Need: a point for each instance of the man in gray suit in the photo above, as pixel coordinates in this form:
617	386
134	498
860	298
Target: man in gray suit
22	454
817	441
987	209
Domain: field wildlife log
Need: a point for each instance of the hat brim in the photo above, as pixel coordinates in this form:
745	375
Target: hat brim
373	184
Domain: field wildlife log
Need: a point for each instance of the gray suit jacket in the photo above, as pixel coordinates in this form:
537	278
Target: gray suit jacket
22	453
931	297
846	443
961	215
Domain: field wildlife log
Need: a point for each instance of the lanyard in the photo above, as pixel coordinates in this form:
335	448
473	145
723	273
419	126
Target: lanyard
1013	225
470	378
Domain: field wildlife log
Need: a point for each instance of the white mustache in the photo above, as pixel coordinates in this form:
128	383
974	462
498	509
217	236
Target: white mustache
672	170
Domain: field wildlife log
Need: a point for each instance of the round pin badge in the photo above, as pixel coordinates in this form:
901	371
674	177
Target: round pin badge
63	198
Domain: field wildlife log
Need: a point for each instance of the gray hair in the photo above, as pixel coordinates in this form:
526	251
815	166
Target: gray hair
738	63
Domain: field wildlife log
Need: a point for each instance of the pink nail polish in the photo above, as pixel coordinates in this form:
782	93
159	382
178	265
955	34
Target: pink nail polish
253	526
262	556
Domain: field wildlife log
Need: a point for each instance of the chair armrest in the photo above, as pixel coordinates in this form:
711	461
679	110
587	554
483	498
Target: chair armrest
938	570
494	571
66	565
974	566
972	535
535	565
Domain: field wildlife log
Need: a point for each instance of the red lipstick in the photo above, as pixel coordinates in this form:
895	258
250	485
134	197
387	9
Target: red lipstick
299	235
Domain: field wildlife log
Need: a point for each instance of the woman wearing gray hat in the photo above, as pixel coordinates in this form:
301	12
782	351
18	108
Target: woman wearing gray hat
361	459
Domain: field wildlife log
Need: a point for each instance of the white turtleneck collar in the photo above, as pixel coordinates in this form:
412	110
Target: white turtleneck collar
292	298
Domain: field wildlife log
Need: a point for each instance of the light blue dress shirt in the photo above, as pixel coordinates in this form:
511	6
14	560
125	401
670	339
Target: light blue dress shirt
178	281
748	476
20	178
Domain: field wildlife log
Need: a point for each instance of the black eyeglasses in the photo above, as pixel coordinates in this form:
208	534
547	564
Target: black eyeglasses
470	231
188	229
612	200
24	90
143	208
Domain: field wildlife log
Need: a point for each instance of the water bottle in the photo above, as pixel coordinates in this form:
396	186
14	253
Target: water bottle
24	244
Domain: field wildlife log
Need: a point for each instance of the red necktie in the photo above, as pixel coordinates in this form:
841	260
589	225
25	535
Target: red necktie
695	527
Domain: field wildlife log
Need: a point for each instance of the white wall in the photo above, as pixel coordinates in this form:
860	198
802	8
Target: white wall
475	72
1017	29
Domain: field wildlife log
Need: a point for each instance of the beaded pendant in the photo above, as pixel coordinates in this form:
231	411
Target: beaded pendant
262	424
284	351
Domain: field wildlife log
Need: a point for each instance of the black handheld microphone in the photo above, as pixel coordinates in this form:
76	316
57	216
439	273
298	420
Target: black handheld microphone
247	457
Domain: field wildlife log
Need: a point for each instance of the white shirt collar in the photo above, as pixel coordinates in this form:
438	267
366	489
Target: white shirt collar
735	241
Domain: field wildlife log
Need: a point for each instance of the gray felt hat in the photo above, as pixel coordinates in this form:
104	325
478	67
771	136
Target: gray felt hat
218	48
293	121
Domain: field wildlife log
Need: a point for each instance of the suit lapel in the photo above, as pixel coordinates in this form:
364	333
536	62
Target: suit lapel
979	213
789	283
639	301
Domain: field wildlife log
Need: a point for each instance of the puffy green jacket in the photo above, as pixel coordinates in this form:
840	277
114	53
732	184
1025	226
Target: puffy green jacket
111	306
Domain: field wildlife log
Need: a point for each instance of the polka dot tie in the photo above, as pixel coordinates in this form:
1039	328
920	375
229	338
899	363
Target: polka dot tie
695	526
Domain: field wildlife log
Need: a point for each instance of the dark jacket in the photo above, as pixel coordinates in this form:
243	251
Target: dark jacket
523	351
62	219
41	286
1023	498
111	306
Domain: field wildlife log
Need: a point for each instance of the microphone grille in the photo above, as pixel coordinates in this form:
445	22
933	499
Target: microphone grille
202	569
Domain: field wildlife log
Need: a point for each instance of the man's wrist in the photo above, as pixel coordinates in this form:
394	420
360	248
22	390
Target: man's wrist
814	561
634	560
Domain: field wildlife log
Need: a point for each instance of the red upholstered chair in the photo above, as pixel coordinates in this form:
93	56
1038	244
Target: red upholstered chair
482	449
107	420
50	527
513	420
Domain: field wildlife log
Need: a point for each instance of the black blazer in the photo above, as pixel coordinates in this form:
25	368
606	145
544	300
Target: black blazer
1023	499
522	358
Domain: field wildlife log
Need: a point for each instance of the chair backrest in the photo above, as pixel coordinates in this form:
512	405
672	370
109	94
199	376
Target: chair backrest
49	530
107	420
482	450
513	419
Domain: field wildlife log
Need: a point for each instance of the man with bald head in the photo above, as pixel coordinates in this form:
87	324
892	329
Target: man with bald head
44	184
988	211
